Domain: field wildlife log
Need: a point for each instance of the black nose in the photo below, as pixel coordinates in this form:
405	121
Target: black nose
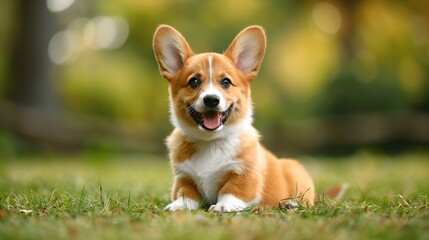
211	100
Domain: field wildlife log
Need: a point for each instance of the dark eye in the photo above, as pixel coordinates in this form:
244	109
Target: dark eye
225	83
194	82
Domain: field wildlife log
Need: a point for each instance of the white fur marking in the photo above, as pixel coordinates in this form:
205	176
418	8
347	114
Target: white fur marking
230	203
182	203
211	90
212	160
211	69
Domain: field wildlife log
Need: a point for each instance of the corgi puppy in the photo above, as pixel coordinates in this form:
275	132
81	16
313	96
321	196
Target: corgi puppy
215	152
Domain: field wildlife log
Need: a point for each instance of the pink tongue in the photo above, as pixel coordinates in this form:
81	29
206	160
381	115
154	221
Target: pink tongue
211	120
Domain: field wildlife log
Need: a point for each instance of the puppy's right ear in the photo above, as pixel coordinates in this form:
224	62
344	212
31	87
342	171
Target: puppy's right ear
171	50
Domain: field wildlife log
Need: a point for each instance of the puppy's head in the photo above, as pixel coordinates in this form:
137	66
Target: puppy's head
209	92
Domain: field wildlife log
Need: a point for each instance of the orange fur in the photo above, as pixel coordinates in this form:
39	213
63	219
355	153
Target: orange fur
185	187
230	158
181	149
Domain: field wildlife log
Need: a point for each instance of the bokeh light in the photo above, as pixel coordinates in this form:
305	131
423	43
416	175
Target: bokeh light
327	17
61	47
58	5
109	32
102	32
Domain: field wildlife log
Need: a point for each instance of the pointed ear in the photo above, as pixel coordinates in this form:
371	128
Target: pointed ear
171	50
247	50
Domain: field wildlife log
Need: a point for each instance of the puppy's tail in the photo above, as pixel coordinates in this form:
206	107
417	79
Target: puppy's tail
336	192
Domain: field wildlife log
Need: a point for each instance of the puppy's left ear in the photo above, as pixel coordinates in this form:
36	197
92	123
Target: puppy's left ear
247	50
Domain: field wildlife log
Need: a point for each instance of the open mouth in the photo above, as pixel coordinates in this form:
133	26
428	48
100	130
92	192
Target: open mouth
210	120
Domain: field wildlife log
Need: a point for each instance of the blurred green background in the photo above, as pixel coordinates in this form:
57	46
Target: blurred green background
337	76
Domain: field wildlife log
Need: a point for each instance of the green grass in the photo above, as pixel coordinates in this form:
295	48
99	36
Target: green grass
122	198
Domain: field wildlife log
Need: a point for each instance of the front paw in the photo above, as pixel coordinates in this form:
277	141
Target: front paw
182	204
230	203
225	207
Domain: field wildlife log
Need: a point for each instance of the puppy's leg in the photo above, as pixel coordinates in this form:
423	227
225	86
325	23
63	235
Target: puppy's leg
299	181
185	195
237	192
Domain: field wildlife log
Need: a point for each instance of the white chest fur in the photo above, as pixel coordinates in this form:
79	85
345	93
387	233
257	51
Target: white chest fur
211	161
